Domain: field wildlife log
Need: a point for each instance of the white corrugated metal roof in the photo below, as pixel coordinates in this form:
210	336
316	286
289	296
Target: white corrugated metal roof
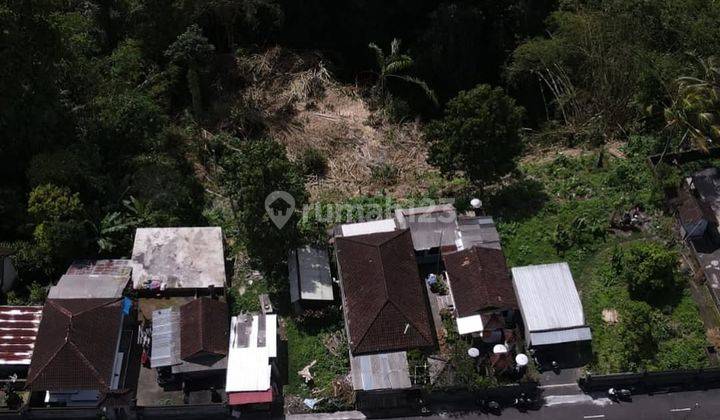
380	371
253	342
186	257
547	297
365	228
165	349
89	286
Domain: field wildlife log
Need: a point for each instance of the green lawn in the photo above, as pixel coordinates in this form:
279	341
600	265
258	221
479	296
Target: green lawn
561	211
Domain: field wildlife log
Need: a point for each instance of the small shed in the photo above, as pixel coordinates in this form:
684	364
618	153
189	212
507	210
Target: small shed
203	330
8	275
309	274
253	349
550	304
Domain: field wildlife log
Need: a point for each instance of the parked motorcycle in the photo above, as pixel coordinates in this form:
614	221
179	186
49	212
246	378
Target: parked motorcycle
618	395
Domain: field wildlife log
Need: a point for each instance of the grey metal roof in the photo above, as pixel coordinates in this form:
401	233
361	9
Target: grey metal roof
89	286
380	371
165	337
186	257
430	227
547	297
560	336
309	273
477	231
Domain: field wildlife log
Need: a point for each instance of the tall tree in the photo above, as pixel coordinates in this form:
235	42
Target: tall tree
192	50
479	135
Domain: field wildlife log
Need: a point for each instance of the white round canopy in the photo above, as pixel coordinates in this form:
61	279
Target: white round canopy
499	348
521	359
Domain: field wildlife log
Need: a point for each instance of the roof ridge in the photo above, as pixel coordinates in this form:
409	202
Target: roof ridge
36	372
409	321
377	315
88	364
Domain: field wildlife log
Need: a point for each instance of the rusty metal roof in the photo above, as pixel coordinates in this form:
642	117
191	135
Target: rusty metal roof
18	332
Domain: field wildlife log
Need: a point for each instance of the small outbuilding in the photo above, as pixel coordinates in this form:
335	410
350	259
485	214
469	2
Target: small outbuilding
251	372
309	276
550	305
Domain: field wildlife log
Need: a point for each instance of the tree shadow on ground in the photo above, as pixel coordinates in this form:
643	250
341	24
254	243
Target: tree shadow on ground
519	200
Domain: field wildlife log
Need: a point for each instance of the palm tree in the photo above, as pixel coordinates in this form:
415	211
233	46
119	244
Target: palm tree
696	106
392	66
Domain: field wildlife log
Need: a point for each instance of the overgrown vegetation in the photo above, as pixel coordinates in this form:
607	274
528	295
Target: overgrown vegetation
629	282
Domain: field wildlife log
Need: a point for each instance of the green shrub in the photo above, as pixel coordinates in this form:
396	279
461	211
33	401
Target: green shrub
313	162
648	268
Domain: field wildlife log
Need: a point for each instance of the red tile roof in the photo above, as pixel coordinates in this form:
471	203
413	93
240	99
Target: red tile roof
385	300
18	331
76	344
204	328
479	280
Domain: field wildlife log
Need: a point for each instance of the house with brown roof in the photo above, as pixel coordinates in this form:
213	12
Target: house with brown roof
81	352
384	298
190	341
481	288
386	311
204	330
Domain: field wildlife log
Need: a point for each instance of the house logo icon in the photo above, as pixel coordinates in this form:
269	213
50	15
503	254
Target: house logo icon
280	206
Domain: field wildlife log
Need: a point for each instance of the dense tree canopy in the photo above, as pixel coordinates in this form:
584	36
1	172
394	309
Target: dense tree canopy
479	135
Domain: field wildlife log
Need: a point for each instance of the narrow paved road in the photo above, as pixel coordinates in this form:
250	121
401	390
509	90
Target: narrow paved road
680	405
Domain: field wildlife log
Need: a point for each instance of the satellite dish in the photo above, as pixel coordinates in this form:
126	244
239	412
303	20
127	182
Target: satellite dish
473	352
499	349
476	203
521	359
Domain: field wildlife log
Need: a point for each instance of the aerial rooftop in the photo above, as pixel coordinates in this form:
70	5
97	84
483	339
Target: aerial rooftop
309	274
480	282
76	345
253	344
18	332
550	304
431	226
385	300
178	258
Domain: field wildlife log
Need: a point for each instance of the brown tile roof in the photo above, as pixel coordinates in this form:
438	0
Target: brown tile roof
204	328
385	300
479	280
76	344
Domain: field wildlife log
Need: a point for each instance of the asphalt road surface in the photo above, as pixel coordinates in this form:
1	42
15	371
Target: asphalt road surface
679	405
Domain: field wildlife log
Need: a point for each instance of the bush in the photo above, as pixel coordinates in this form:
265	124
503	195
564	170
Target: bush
385	174
648	269
313	162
